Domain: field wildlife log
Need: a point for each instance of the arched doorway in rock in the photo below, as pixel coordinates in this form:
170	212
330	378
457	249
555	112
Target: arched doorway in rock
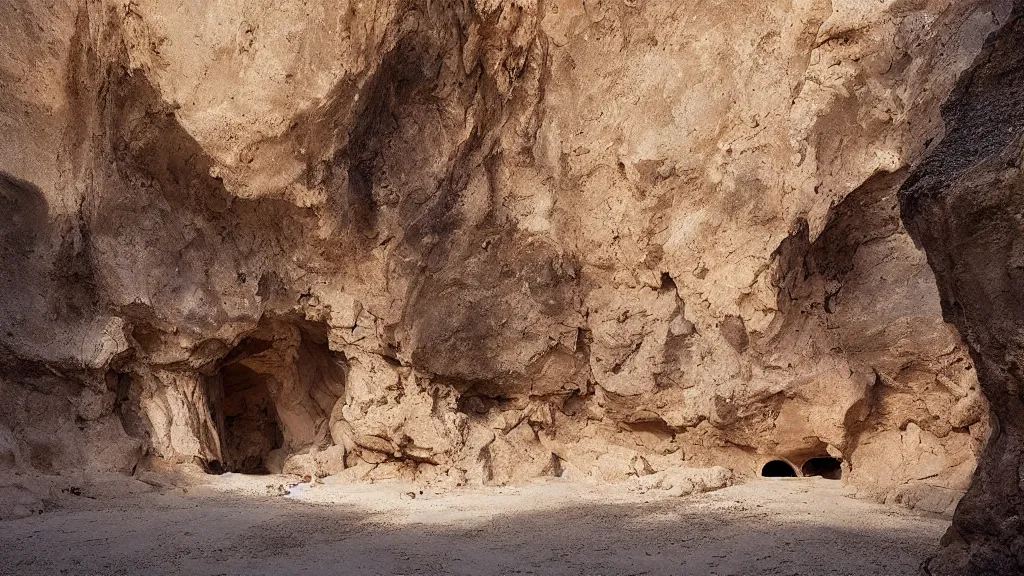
829	468
778	469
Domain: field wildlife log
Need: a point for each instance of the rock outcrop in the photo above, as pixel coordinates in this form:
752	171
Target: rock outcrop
492	240
964	205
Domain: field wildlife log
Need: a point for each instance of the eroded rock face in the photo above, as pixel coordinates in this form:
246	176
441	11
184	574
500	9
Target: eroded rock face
480	242
964	205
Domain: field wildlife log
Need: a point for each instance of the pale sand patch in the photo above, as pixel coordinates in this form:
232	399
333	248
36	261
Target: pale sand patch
231	526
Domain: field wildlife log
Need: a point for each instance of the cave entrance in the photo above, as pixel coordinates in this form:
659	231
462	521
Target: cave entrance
249	425
829	468
778	469
272	395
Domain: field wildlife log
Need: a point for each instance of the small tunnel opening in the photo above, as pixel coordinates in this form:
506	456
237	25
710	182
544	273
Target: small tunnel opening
250	427
778	469
829	468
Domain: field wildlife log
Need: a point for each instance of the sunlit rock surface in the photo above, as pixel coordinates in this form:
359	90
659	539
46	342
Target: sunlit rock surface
485	241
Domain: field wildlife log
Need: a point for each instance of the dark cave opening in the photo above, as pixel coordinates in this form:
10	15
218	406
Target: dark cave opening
247	420
272	395
829	468
778	469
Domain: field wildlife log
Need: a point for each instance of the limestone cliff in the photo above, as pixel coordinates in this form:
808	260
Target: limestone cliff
484	241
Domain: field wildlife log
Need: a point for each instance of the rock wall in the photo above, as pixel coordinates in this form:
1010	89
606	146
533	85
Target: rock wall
480	241
964	205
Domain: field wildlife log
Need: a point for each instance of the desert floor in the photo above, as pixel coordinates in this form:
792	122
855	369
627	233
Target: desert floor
239	525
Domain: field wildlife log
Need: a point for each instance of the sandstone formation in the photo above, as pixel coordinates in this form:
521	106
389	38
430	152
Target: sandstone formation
964	205
491	240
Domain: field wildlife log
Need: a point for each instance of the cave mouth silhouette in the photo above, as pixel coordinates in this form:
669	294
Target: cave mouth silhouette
250	426
828	468
778	469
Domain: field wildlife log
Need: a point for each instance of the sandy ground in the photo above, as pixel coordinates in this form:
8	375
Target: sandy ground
778	527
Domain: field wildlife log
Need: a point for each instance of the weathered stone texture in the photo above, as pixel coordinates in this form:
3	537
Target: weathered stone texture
490	240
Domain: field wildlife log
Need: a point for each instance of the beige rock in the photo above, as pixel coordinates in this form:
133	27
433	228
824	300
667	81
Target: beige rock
485	242
685	481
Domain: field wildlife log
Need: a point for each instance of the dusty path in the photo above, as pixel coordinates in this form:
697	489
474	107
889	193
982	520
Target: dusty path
790	527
